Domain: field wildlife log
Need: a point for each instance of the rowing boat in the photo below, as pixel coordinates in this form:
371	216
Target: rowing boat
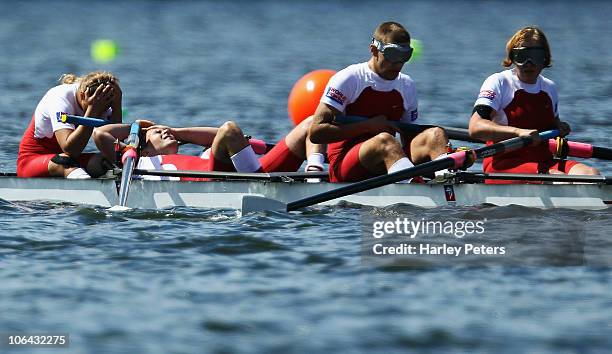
228	189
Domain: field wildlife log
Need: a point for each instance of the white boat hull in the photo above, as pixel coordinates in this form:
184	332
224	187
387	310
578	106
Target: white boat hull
228	194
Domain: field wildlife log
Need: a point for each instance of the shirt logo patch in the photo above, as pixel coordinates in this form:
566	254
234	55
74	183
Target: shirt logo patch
336	95
488	94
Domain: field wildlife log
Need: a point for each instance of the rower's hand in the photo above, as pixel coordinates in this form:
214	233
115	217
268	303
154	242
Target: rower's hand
534	134
158	126
145	124
161	128
564	128
100	101
380	124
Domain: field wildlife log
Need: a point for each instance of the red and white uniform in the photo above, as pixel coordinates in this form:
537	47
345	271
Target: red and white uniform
359	91
39	145
279	159
172	163
525	106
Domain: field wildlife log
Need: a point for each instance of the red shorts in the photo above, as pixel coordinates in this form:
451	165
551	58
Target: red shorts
279	159
346	167
517	166
187	162
35	165
218	165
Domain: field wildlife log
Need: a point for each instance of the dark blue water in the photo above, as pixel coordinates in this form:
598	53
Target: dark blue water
194	280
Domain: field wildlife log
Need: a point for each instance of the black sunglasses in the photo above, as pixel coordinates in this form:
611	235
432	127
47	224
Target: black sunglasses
521	55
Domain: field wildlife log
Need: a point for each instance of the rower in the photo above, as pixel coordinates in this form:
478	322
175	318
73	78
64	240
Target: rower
50	147
159	145
229	148
378	90
520	102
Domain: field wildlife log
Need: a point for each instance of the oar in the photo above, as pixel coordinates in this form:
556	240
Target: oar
576	149
129	158
479	177
259	146
252	203
584	150
452	132
86	121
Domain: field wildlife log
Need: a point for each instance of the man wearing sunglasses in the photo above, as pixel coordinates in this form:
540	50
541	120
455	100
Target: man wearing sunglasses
375	89
521	102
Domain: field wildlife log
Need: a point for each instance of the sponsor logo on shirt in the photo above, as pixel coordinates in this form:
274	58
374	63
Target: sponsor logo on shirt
336	95
488	94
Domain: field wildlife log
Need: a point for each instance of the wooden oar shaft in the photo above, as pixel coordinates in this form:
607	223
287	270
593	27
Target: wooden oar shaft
454	160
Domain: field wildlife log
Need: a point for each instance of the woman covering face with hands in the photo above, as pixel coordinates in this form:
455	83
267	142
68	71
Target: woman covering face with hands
50	147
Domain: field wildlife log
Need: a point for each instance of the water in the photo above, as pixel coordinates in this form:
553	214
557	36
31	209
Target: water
192	280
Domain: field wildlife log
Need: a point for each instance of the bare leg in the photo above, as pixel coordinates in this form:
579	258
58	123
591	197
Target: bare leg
56	170
582	169
298	141
228	141
380	152
97	166
428	145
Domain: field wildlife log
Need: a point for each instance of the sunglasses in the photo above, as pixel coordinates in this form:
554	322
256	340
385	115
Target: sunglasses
521	55
394	53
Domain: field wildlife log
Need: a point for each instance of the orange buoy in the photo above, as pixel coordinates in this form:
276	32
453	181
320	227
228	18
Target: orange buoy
306	93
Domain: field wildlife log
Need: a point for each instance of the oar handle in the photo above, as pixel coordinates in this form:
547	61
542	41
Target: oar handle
259	146
134	131
577	149
513	144
86	121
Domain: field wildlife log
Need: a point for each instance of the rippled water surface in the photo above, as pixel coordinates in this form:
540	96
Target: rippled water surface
193	280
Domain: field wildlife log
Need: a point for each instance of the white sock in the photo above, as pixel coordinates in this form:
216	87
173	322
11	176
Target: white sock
314	163
78	173
444	171
245	160
399	165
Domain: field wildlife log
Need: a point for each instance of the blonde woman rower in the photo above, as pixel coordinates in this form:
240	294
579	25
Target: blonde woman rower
50	147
